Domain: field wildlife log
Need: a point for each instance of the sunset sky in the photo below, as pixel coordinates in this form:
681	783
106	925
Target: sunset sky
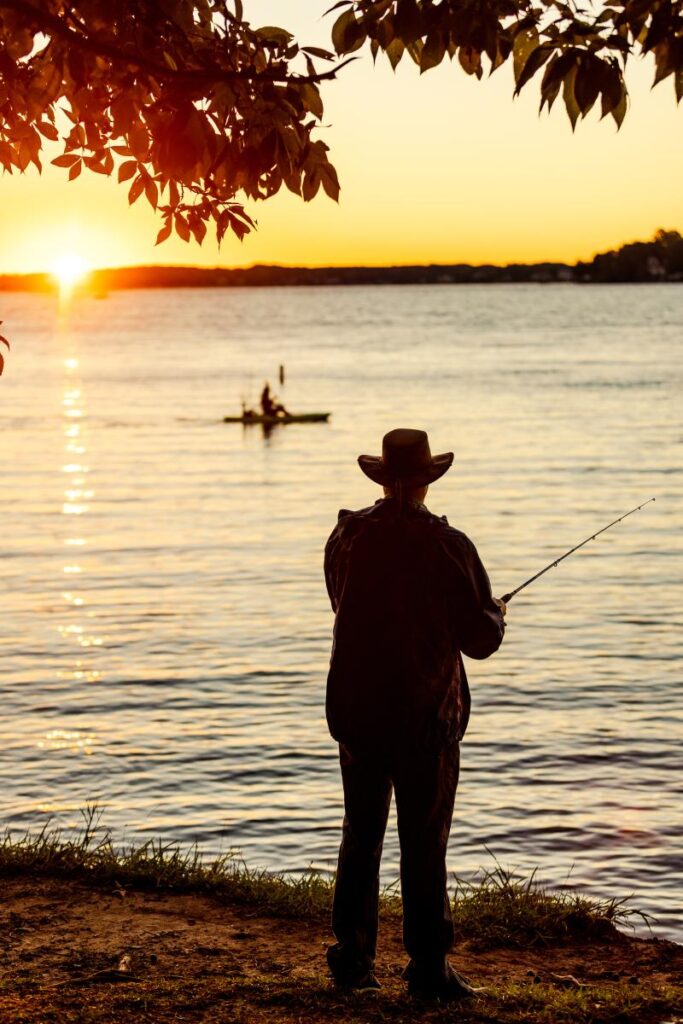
439	168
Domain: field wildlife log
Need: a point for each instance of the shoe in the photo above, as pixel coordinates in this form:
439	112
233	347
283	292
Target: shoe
443	983
345	977
368	983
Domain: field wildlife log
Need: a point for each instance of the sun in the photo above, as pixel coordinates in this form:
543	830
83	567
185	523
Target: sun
69	268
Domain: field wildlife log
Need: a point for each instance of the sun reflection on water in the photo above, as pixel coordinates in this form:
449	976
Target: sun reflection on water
77	627
77	740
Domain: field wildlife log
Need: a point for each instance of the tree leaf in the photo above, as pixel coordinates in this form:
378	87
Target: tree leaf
198	229
312	181
181	227
415	51
612	83
524	45
94	163
151	192
75	170
315	51
408	22
239	211
339	29
335	7
569	97
293	181
619	112
136	189
553	77
138	140
589	75
395	51
433	53
48	130
2	358
275	35
311	97
470	60
164	232
65	160
533	63
330	181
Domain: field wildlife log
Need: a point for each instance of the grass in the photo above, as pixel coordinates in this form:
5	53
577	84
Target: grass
263	1000
256	972
502	910
546	1004
91	855
504	1004
497	910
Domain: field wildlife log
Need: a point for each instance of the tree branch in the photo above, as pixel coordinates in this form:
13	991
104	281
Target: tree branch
50	24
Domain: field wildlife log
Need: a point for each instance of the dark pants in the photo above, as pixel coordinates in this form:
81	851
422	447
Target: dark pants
424	783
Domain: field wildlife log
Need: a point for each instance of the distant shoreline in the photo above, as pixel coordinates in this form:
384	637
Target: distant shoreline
264	276
100	282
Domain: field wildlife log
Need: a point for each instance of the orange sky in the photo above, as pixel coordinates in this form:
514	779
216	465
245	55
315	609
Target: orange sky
434	168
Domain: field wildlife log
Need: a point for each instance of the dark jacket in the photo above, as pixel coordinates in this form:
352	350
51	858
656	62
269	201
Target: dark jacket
410	593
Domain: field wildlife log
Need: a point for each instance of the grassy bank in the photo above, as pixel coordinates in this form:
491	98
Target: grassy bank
95	934
498	910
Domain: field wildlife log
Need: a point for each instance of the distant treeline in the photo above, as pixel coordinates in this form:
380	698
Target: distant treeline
658	260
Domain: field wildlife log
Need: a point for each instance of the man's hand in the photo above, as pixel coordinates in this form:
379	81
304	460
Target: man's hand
501	605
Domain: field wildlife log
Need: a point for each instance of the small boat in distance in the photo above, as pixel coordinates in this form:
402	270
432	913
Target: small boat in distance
249	417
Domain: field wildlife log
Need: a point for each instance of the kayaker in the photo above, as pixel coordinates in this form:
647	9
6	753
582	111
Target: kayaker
409	594
269	404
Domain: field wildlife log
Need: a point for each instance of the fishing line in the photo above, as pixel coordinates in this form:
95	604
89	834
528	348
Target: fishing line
508	597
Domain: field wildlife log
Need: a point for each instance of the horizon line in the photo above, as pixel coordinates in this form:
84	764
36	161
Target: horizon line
372	265
293	266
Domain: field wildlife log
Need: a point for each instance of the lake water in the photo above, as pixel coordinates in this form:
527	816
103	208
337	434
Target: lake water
166	630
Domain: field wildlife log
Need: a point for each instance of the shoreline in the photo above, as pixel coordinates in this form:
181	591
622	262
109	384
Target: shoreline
75	950
659	260
101	282
155	934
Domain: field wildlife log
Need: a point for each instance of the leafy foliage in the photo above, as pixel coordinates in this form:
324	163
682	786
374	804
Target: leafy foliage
3	341
582	50
194	109
185	101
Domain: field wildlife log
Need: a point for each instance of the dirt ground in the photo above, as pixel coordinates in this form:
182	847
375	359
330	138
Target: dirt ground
73	953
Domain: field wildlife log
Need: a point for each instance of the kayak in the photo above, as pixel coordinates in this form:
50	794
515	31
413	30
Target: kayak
270	421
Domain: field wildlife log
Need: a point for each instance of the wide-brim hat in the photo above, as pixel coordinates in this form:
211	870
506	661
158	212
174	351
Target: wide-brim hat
406	459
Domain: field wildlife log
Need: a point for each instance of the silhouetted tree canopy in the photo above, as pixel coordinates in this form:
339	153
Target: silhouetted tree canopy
196	109
582	49
659	259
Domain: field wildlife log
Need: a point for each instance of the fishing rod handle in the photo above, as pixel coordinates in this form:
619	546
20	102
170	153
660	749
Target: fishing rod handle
507	598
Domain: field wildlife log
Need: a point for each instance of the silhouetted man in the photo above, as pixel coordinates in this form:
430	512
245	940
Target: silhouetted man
410	593
269	403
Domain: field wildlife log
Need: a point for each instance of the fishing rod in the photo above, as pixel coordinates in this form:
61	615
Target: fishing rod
508	597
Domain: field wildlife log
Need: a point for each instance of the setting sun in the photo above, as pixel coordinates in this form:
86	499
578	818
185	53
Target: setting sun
69	268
